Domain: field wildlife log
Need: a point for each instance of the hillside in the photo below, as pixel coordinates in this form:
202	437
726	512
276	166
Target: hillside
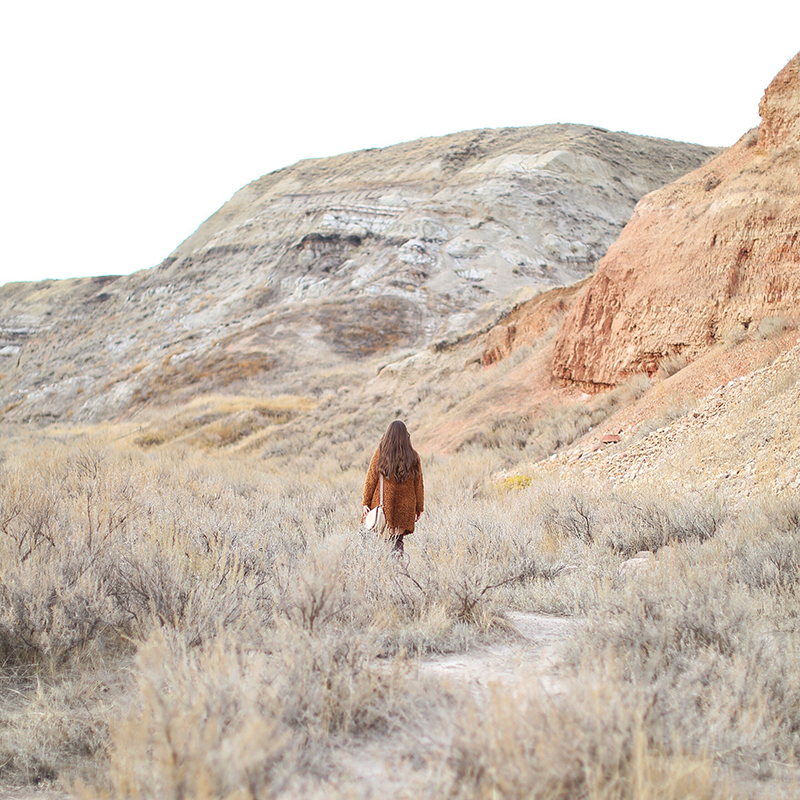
315	269
704	259
724	426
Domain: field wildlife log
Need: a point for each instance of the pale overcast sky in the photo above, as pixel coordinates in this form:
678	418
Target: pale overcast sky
125	125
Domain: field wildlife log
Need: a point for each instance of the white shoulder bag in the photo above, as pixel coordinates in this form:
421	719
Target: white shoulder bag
376	519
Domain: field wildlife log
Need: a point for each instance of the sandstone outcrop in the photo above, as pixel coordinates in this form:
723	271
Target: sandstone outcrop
324	265
701	260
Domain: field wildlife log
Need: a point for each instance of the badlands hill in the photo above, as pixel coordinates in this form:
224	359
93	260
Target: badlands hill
314	273
706	274
701	291
703	259
212	621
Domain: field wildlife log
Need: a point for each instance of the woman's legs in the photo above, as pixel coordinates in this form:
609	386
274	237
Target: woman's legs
396	539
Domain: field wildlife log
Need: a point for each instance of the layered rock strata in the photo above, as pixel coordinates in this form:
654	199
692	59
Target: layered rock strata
324	264
702	260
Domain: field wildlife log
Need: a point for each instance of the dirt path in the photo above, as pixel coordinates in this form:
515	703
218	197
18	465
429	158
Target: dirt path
534	655
383	768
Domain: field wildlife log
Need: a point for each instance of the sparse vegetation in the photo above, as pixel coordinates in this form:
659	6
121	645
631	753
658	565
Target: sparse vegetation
217	421
520	437
672	410
670	365
772	327
176	626
768	328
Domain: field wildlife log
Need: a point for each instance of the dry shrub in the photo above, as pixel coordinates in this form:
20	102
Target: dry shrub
767	550
199	726
54	724
470	554
629	523
439	600
773	327
588	743
574	514
94	550
696	644
223	722
670	365
332	685
58	523
270	635
651	522
536	438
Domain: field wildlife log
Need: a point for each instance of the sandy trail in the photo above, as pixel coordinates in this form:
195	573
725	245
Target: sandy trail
534	655
382	767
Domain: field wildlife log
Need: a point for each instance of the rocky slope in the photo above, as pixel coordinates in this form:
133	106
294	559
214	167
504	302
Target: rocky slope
702	260
448	223
738	443
321	266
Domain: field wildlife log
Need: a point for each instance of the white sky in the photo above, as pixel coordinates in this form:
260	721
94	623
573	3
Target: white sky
126	124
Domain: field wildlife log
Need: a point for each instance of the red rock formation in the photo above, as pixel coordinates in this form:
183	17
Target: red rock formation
780	108
528	323
716	251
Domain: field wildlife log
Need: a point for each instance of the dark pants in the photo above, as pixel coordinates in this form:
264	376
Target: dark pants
396	541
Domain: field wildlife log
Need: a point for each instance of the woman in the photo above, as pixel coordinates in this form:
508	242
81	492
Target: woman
403	493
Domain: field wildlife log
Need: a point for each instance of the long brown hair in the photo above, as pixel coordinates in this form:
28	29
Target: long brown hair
397	459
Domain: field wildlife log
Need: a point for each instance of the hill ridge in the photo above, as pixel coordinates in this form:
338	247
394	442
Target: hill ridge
320	267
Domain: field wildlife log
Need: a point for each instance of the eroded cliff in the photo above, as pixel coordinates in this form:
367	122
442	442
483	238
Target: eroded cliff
702	259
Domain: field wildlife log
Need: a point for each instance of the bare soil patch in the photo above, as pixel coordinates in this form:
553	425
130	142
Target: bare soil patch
533	655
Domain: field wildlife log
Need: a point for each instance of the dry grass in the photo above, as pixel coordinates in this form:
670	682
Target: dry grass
219	368
593	745
214	421
520	438
670	365
177	626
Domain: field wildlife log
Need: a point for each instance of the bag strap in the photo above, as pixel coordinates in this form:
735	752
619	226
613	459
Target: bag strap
381	476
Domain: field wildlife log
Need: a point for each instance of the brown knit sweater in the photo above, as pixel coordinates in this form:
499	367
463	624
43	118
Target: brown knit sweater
402	502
